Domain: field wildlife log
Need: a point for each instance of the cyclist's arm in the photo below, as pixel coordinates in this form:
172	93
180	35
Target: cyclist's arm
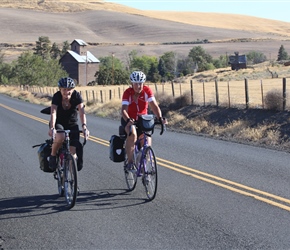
82	114
124	112
52	121
53	111
155	109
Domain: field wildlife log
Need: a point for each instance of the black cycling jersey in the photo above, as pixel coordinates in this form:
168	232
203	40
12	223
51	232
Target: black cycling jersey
68	117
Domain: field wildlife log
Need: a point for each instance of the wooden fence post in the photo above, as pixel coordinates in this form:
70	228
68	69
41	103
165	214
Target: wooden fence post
284	93
101	95
110	94
216	93
229	96
262	93
119	91
203	93
87	96
247	93
172	85
191	92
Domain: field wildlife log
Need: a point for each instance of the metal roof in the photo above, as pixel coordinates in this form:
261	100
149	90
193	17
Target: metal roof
80	42
88	57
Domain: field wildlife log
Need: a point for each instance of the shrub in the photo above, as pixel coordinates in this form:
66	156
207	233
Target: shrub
274	100
182	101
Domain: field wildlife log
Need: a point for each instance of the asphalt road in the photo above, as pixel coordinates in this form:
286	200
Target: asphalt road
212	194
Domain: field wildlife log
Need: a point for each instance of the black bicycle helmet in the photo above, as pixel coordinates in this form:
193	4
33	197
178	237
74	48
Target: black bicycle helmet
66	82
137	77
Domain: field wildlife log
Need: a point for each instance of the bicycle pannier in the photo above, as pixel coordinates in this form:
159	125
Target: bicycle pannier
146	122
44	152
117	151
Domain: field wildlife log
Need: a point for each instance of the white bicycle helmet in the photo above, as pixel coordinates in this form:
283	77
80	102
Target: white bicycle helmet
137	77
67	83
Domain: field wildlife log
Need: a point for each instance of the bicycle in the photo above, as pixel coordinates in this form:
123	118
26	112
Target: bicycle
144	160
66	171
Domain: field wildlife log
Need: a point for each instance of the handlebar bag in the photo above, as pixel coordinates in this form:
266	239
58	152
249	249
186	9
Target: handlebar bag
117	150
146	122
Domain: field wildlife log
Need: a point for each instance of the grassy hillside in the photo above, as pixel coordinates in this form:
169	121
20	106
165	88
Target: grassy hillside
110	27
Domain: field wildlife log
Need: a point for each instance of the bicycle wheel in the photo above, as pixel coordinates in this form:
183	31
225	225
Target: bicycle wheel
131	177
59	178
149	177
70	181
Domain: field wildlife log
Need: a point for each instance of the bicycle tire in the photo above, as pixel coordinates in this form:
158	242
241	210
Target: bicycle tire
149	178
130	177
70	181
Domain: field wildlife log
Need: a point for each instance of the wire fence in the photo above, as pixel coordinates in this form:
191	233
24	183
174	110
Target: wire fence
242	94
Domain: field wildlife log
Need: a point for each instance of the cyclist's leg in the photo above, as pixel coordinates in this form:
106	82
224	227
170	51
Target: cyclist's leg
76	146
130	140
57	142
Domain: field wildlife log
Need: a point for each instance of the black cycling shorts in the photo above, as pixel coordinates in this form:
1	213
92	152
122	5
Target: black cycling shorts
74	136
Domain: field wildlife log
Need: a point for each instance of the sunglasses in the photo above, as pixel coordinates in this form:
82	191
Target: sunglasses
138	83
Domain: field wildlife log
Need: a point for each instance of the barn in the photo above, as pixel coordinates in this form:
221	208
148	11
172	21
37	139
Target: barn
80	64
238	61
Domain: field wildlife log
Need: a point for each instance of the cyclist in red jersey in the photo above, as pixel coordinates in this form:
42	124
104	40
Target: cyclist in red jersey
135	101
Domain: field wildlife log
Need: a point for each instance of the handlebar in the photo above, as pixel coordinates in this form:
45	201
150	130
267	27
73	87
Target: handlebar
156	121
69	131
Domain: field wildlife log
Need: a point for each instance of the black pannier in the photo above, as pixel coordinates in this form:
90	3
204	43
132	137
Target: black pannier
43	153
117	150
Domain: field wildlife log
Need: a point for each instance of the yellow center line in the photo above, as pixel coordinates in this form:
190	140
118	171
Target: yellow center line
203	176
222	180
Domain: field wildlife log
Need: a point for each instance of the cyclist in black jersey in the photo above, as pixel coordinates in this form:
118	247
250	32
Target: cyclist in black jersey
65	106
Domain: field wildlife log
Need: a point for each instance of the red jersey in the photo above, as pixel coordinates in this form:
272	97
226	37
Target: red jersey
141	106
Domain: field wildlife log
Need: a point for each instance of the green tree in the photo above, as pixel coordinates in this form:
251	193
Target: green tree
167	66
54	51
31	69
143	63
254	57
111	71
201	57
186	66
221	62
43	47
65	48
282	54
153	74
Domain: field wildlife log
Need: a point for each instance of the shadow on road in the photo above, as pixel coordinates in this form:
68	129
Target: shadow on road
18	207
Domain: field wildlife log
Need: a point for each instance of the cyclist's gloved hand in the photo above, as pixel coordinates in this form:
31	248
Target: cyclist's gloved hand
52	133
86	133
163	121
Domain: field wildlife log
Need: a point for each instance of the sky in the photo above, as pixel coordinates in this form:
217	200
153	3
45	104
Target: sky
275	9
